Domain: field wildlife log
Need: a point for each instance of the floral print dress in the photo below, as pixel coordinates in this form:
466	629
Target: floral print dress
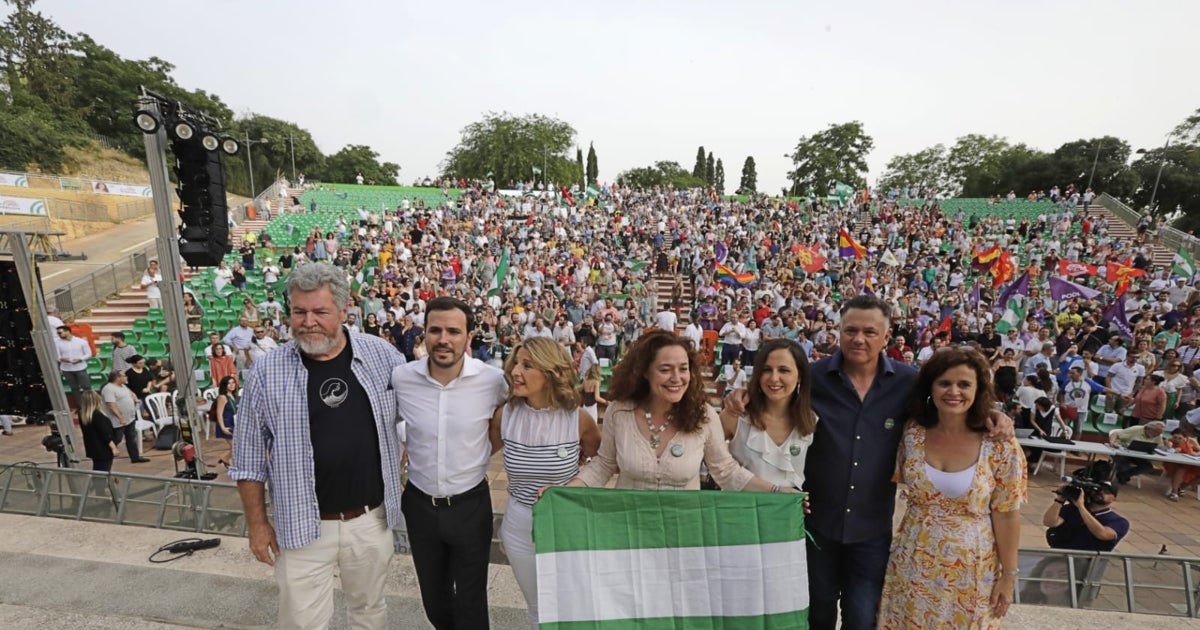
943	562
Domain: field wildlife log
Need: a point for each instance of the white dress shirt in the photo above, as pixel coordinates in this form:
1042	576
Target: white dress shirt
73	348
446	426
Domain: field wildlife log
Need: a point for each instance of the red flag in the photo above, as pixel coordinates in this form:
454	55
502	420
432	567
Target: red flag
1071	269
944	327
810	259
1003	269
1121	273
567	195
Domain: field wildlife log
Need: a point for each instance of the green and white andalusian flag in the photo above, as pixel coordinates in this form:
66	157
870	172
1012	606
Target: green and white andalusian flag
592	191
1183	265
647	560
501	274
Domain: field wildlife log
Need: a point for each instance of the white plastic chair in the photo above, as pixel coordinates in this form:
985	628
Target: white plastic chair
160	415
142	426
210	396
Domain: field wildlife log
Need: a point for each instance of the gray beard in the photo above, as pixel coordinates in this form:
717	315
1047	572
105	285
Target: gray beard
318	348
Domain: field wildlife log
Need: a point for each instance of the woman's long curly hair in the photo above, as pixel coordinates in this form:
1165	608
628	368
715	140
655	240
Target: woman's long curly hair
630	380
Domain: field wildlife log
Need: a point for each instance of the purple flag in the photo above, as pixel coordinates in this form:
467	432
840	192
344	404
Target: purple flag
1019	287
1115	315
974	300
1064	290
720	251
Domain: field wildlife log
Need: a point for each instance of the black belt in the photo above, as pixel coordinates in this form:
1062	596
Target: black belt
348	514
481	488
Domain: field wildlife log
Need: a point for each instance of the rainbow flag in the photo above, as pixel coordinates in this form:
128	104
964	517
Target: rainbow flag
725	274
848	247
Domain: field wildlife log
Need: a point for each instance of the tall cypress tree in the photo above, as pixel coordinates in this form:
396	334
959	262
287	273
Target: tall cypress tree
710	170
749	183
699	168
719	177
579	163
593	169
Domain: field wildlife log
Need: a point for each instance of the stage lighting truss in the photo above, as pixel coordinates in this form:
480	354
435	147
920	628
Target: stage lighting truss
146	121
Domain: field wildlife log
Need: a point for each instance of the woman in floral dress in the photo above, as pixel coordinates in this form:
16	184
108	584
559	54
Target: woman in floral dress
954	560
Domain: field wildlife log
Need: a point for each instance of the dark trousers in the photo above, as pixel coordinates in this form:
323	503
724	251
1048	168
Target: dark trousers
80	382
450	548
1127	467
850	573
130	435
102	464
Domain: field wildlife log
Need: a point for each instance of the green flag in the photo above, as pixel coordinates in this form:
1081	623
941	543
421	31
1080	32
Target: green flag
592	191
501	274
1183	265
647	560
1014	314
842	191
537	171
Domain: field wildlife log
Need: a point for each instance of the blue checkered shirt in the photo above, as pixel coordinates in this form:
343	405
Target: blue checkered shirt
272	443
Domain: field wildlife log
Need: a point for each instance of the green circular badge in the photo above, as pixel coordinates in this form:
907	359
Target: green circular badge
889	423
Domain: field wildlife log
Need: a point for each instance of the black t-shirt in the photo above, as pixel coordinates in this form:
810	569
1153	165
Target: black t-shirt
1074	534
138	382
345	443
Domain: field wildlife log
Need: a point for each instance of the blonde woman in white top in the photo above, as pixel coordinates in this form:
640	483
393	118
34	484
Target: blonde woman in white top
772	438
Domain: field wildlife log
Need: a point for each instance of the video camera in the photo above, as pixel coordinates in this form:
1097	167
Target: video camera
1075	486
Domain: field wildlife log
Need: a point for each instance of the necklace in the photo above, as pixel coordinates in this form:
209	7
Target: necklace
655	432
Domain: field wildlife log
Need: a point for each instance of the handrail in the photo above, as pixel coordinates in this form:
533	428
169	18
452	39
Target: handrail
1170	237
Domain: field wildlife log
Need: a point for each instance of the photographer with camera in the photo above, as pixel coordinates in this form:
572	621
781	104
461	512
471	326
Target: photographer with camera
1081	517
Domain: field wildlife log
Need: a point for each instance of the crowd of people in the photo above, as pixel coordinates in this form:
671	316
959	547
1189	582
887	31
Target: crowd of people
890	359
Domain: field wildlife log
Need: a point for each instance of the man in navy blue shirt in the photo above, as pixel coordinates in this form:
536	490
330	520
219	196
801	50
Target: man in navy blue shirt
861	397
1085	525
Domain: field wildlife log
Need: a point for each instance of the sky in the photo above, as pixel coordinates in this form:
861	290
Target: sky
648	81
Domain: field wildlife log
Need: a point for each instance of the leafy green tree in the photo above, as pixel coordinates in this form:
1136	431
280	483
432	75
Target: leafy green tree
710	170
974	163
273	159
106	85
345	165
925	169
30	134
1178	187
510	147
719	177
838	153
662	173
593	168
35	53
699	168
749	182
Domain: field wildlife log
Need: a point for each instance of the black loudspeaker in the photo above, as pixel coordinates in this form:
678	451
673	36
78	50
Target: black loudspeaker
22	384
204	229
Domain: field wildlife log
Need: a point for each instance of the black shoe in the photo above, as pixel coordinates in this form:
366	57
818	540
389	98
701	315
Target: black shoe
140	460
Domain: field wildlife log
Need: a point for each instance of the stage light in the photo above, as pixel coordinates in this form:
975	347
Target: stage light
183	130
210	142
229	145
146	121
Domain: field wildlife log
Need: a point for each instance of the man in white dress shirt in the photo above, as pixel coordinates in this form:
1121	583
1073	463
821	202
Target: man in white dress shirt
446	401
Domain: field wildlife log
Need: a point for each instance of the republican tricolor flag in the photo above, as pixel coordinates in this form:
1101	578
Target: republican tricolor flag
848	247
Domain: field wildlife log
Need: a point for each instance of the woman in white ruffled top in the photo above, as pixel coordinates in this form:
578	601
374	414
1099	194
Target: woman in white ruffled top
772	438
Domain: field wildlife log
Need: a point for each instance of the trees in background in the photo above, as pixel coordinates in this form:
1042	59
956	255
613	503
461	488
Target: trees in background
835	154
749	182
59	90
514	149
593	168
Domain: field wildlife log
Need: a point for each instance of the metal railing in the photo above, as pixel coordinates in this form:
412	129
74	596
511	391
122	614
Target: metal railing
137	209
84	293
65	209
1121	582
1169	237
211	507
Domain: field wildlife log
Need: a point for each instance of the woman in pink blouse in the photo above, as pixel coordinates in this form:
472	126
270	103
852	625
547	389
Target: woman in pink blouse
659	427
